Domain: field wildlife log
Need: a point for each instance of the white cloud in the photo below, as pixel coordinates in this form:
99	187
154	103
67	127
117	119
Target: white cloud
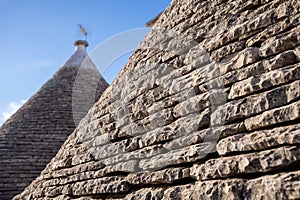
9	110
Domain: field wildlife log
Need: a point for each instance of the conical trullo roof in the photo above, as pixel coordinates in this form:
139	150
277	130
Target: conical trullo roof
33	135
208	107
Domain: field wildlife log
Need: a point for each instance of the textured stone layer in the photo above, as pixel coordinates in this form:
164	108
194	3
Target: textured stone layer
207	107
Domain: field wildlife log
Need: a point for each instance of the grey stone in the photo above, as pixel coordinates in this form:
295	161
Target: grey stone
184	192
146	193
275	116
280	43
260	140
219	189
279	186
207	107
263	161
264	81
256	104
167	176
200	102
178	156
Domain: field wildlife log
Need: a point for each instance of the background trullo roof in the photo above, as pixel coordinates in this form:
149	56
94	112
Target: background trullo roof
34	134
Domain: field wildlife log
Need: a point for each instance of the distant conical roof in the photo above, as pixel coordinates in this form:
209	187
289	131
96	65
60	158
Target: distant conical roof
33	135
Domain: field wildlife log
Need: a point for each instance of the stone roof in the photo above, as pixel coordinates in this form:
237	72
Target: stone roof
34	134
207	107
153	21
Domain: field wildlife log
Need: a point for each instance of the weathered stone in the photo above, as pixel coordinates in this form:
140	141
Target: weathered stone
62	197
281	60
168	110
197	56
149	123
111	149
256	104
297	53
129	130
135	155
140	105
200	102
158	135
213	134
280	186
180	45
273	30
97	141
219	189
184	192
98	186
238	31
260	140
225	51
166	176
265	81
120	111
172	100
280	43
146	193
178	156
263	161
244	58
158	119
90	166
275	116
195	78
127	166
67	162
192	122
166	80
184	139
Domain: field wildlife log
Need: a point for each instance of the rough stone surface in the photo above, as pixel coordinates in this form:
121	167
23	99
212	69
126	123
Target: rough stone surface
179	192
167	176
263	161
146	193
265	81
255	104
207	107
230	189
279	186
278	115
287	135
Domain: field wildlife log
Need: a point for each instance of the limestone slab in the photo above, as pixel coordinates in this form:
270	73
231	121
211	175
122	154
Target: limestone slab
278	115
287	135
260	162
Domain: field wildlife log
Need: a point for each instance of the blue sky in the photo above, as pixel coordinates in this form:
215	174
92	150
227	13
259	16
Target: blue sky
37	37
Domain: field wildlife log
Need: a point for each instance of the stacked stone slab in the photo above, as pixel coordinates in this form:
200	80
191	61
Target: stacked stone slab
206	108
32	136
